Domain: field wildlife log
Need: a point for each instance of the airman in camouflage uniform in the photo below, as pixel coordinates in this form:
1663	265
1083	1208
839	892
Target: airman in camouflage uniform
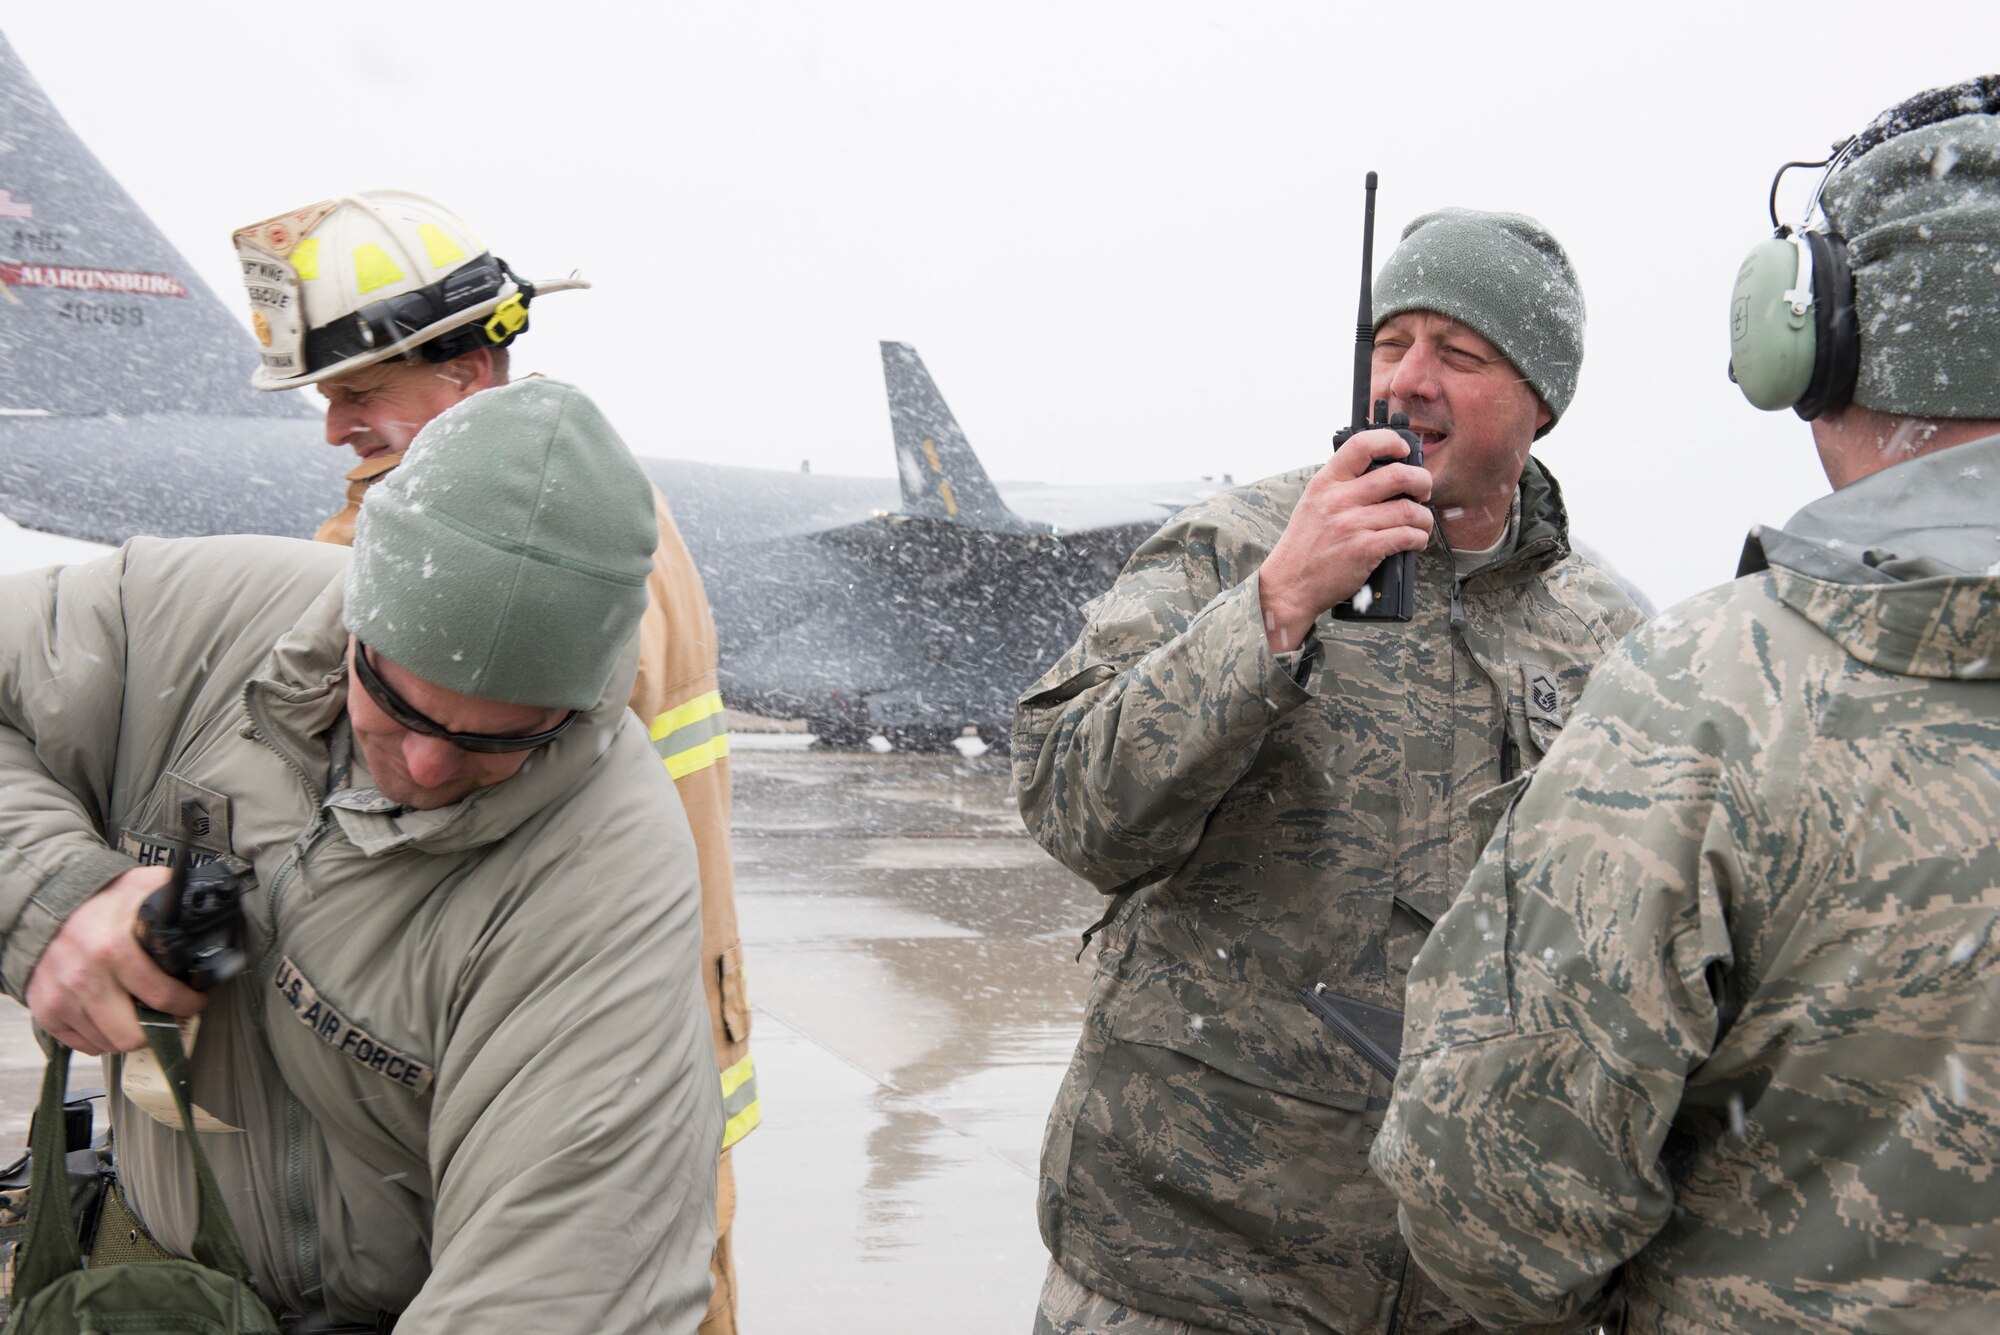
1713	1033
1276	798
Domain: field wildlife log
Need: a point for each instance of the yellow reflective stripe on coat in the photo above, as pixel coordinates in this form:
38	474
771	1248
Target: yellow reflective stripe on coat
691	736
739	1102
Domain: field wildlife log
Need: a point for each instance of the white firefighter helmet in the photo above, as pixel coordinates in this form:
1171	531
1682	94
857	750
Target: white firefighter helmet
352	281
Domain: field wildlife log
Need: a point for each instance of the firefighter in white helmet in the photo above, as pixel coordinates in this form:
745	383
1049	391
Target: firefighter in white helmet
393	307
395	310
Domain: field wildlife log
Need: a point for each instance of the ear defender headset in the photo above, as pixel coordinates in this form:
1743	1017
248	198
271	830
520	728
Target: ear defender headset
1793	341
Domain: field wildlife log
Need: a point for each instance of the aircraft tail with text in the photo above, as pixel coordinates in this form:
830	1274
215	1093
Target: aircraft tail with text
119	362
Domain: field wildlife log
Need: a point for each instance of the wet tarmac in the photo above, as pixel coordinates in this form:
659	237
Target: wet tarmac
915	1003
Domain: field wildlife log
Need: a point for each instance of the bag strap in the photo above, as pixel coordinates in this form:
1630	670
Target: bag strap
49	1246
215	1242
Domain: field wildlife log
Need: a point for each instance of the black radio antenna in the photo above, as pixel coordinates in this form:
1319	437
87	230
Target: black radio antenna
1364	320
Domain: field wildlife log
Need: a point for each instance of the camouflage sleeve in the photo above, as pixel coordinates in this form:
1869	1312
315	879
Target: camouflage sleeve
1557	1009
1125	746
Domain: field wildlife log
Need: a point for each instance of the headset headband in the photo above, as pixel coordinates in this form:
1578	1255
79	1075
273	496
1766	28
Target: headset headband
1976	96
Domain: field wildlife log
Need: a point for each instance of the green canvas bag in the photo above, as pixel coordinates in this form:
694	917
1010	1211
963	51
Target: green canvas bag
55	1295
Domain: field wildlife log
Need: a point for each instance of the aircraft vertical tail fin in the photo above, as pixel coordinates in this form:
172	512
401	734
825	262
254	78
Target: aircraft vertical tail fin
99	313
942	477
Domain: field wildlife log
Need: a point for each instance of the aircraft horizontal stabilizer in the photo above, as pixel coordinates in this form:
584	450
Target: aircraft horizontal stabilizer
942	478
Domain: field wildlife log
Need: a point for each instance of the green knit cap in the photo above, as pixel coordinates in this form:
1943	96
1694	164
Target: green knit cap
1502	275
1921	214
507	557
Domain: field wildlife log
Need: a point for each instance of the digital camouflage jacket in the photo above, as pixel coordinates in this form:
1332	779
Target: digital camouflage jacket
1715	1028
1284	820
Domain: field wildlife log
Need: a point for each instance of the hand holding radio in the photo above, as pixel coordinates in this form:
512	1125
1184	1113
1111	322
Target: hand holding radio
83	987
1387	593
191	925
154	935
1351	544
1363	508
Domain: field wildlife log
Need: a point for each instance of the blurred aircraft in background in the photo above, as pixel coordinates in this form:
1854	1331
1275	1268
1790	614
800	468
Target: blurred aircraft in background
911	606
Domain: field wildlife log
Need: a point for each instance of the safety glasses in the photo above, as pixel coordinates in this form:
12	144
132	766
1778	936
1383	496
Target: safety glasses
405	714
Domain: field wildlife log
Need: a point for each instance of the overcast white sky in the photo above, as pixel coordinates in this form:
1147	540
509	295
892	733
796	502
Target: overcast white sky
1123	235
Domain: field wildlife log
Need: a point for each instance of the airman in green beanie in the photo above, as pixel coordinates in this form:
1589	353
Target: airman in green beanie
470	1044
1274	799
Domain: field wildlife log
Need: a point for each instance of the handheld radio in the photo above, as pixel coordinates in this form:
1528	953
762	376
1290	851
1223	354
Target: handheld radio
191	925
1389	594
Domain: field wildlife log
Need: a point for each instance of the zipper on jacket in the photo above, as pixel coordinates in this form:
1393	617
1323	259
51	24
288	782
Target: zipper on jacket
1459	621
262	727
305	1236
303	1225
302	848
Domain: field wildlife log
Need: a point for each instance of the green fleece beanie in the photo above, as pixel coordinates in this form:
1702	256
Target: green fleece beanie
1921	214
507	556
1502	275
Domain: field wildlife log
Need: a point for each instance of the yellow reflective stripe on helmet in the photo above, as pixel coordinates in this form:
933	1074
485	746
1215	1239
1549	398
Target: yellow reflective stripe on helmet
441	248
305	258
739	1102
691	736
373	268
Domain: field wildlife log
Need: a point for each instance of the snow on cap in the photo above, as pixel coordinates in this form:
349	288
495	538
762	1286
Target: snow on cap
1503	275
507	557
1920	209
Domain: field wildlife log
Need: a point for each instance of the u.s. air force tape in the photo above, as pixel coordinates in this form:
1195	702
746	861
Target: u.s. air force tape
343	1035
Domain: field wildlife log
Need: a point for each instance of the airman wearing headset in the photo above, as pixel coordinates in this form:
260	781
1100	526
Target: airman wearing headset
1711	1035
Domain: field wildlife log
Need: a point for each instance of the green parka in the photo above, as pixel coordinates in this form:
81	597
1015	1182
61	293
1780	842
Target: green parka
469	1065
1285	820
1714	1031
